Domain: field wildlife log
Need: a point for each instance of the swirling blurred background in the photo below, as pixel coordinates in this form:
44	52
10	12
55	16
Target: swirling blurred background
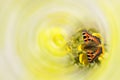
33	35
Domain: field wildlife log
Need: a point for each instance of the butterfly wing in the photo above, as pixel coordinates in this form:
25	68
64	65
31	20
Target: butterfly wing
91	42
87	37
92	56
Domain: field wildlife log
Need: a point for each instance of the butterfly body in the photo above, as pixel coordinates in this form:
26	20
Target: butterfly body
91	46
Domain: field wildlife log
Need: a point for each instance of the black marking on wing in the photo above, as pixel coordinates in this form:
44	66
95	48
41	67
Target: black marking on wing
97	54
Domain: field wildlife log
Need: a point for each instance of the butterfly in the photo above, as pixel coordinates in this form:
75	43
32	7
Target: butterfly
91	46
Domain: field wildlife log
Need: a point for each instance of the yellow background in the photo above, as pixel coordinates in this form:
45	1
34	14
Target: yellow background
33	34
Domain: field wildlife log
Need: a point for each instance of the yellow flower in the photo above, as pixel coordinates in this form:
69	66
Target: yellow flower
79	48
83	59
